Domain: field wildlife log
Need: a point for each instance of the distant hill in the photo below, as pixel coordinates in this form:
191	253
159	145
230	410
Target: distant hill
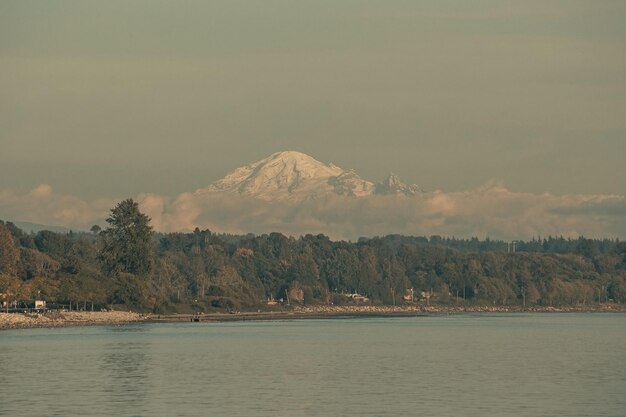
29	227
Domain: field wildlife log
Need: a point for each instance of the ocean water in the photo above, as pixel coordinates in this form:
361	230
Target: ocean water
461	365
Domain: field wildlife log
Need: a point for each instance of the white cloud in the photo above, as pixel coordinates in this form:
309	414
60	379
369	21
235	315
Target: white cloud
44	206
490	210
41	191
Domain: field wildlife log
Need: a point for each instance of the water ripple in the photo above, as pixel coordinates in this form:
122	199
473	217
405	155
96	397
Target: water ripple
496	365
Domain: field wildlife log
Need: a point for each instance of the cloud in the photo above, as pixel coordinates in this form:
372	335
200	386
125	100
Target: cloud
43	205
41	191
616	207
490	210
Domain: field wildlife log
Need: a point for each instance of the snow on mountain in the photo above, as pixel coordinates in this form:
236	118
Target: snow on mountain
295	175
393	185
349	183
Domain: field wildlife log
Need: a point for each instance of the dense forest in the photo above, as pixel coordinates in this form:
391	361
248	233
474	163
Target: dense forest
128	265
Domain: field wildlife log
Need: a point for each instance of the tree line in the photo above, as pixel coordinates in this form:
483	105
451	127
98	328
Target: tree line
128	264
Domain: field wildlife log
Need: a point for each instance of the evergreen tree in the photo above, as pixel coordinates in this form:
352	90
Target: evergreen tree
127	241
9	255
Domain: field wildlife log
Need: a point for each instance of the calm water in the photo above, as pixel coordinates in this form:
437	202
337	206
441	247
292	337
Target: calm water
467	365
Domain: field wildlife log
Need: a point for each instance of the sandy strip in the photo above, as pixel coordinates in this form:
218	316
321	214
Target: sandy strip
326	311
67	318
74	318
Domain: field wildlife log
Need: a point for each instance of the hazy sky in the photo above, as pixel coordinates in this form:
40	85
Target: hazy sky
104	99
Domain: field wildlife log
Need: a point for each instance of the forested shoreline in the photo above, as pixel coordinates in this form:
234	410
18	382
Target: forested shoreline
127	265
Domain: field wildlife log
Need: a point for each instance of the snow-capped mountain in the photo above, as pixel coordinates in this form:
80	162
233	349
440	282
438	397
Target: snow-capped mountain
393	185
295	175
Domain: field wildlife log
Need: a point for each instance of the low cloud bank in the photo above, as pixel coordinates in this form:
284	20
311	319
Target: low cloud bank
42	205
490	210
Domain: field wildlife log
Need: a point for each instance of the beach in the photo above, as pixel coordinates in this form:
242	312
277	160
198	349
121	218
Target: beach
66	318
80	318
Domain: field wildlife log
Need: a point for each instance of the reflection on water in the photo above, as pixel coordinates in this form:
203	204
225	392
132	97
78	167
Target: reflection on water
127	328
124	375
487	365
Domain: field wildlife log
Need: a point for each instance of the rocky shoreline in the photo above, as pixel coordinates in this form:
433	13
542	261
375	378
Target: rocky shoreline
66	318
447	309
75	318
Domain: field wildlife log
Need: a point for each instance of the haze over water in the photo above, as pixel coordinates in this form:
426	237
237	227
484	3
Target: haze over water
466	365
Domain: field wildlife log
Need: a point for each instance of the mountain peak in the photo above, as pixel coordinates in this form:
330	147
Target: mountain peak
290	155
394	185
280	175
296	175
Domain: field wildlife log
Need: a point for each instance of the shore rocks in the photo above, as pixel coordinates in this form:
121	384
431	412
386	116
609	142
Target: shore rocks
454	309
66	318
76	318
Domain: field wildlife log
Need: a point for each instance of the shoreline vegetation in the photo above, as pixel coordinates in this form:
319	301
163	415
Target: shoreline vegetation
78	318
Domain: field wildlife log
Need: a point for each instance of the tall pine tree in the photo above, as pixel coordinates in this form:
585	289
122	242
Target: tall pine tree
127	242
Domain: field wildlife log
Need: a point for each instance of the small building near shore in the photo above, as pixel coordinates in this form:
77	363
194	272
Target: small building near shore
357	297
